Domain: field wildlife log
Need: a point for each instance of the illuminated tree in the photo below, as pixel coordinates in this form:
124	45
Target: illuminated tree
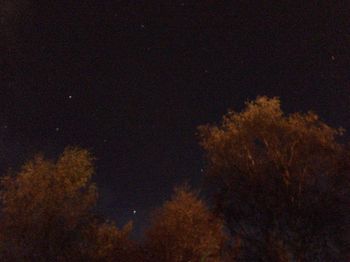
281	182
105	242
45	206
184	230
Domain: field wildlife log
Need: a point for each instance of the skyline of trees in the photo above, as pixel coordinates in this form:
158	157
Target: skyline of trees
279	192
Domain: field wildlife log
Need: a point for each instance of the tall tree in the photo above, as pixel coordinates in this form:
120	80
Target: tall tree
45	206
281	183
184	230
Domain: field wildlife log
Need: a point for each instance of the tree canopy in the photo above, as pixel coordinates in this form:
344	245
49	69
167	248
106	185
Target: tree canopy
184	230
280	179
45	205
280	192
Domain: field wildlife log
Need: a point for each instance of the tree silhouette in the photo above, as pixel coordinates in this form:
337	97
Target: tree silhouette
281	182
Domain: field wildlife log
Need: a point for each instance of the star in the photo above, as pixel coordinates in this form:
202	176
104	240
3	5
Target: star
134	212
70	97
57	129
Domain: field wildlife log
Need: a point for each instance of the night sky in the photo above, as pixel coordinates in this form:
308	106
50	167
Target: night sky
131	81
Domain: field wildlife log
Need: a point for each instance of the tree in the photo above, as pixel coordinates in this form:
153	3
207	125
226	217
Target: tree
281	183
184	230
105	242
45	207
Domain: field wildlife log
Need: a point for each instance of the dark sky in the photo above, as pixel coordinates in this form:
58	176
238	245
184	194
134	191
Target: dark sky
131	81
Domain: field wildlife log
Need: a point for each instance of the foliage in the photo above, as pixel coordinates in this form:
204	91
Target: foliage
184	230
105	242
45	206
281	183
